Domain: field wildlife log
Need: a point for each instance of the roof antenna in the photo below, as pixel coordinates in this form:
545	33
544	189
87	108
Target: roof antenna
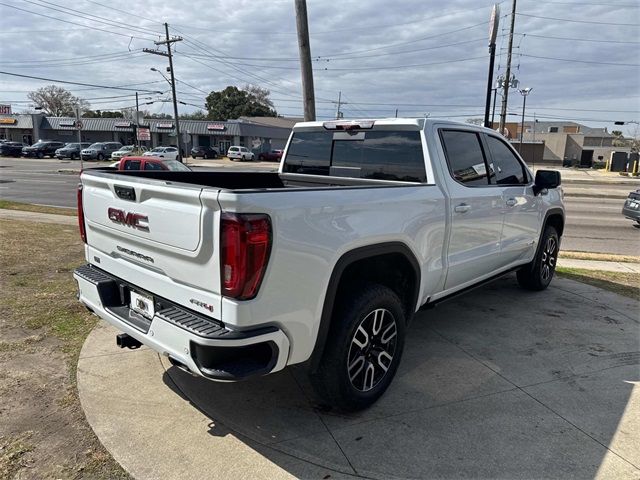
129	46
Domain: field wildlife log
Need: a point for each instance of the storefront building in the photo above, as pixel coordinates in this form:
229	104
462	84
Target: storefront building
257	137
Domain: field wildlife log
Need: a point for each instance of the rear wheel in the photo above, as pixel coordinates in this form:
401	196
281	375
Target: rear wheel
363	350
40	155
100	157
537	275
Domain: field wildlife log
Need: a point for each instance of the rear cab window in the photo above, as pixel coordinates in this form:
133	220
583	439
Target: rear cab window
379	153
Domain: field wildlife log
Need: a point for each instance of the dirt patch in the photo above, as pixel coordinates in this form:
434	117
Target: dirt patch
42	327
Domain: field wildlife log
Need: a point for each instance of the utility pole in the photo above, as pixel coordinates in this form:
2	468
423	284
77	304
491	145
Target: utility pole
137	124
507	80
493	31
79	128
168	41
338	112
304	47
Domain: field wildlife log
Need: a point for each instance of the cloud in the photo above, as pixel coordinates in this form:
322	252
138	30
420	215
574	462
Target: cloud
231	42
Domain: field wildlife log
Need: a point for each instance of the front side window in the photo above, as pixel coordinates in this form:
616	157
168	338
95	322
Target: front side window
465	157
506	169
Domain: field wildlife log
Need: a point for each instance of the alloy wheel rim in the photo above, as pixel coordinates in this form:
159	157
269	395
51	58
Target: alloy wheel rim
549	256
372	349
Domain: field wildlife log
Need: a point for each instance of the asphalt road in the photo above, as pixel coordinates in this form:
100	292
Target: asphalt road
594	224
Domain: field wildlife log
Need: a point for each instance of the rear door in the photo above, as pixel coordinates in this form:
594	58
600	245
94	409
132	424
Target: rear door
160	236
476	209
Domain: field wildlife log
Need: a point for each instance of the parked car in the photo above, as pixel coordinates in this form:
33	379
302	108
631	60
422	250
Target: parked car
100	150
239	153
631	208
272	156
11	149
163	152
42	148
231	276
151	163
128	151
71	150
204	152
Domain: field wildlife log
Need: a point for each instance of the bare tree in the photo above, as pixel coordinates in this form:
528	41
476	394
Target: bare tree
260	95
57	101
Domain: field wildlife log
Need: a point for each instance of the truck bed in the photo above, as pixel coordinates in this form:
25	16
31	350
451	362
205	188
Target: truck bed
251	181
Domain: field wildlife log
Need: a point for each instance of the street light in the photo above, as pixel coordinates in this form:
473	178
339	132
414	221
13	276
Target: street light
524	92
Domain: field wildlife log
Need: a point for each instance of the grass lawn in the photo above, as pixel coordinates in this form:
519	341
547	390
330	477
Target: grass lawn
28	207
627	284
43	431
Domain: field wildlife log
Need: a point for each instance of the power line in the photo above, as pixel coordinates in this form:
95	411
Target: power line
384	47
72	23
81	57
121	11
87	16
582	61
77	83
579	21
580	4
122	57
578	39
395	67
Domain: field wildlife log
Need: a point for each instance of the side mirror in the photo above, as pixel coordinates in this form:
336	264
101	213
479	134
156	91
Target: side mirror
546	179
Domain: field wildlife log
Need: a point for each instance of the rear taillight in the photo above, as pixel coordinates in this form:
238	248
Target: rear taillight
83	230
245	245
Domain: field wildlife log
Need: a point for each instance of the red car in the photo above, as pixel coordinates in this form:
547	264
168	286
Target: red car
151	163
272	156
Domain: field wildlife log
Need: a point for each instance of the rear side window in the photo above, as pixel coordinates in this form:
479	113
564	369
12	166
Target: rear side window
132	165
309	152
505	168
376	154
152	166
465	157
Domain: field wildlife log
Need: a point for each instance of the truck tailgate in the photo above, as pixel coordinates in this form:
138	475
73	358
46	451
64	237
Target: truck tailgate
159	235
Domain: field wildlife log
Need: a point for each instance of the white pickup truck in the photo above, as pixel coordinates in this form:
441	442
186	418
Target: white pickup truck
235	274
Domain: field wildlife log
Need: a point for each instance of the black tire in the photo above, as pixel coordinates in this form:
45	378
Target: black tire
193	156
538	274
350	376
74	156
100	157
261	158
40	155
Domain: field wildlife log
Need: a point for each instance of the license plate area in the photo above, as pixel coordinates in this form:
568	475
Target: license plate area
142	304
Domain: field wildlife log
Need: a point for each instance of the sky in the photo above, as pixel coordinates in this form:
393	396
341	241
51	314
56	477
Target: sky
422	57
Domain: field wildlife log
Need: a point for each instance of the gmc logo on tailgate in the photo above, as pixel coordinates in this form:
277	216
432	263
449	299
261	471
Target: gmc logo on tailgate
135	220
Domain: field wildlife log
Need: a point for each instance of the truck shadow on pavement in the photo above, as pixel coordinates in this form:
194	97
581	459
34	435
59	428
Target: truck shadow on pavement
497	383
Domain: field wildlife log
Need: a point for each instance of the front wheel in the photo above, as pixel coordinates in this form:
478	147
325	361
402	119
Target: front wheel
537	275
363	349
40	155
100	157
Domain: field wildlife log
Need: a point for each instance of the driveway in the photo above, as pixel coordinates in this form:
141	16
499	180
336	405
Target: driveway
499	383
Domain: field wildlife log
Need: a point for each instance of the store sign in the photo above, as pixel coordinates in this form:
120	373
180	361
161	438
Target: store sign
5	109
215	126
8	121
144	134
164	125
68	123
122	124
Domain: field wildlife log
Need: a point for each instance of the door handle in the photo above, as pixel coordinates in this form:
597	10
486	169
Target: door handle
511	202
462	208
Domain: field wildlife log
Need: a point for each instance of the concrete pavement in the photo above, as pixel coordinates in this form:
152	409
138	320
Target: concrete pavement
500	383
